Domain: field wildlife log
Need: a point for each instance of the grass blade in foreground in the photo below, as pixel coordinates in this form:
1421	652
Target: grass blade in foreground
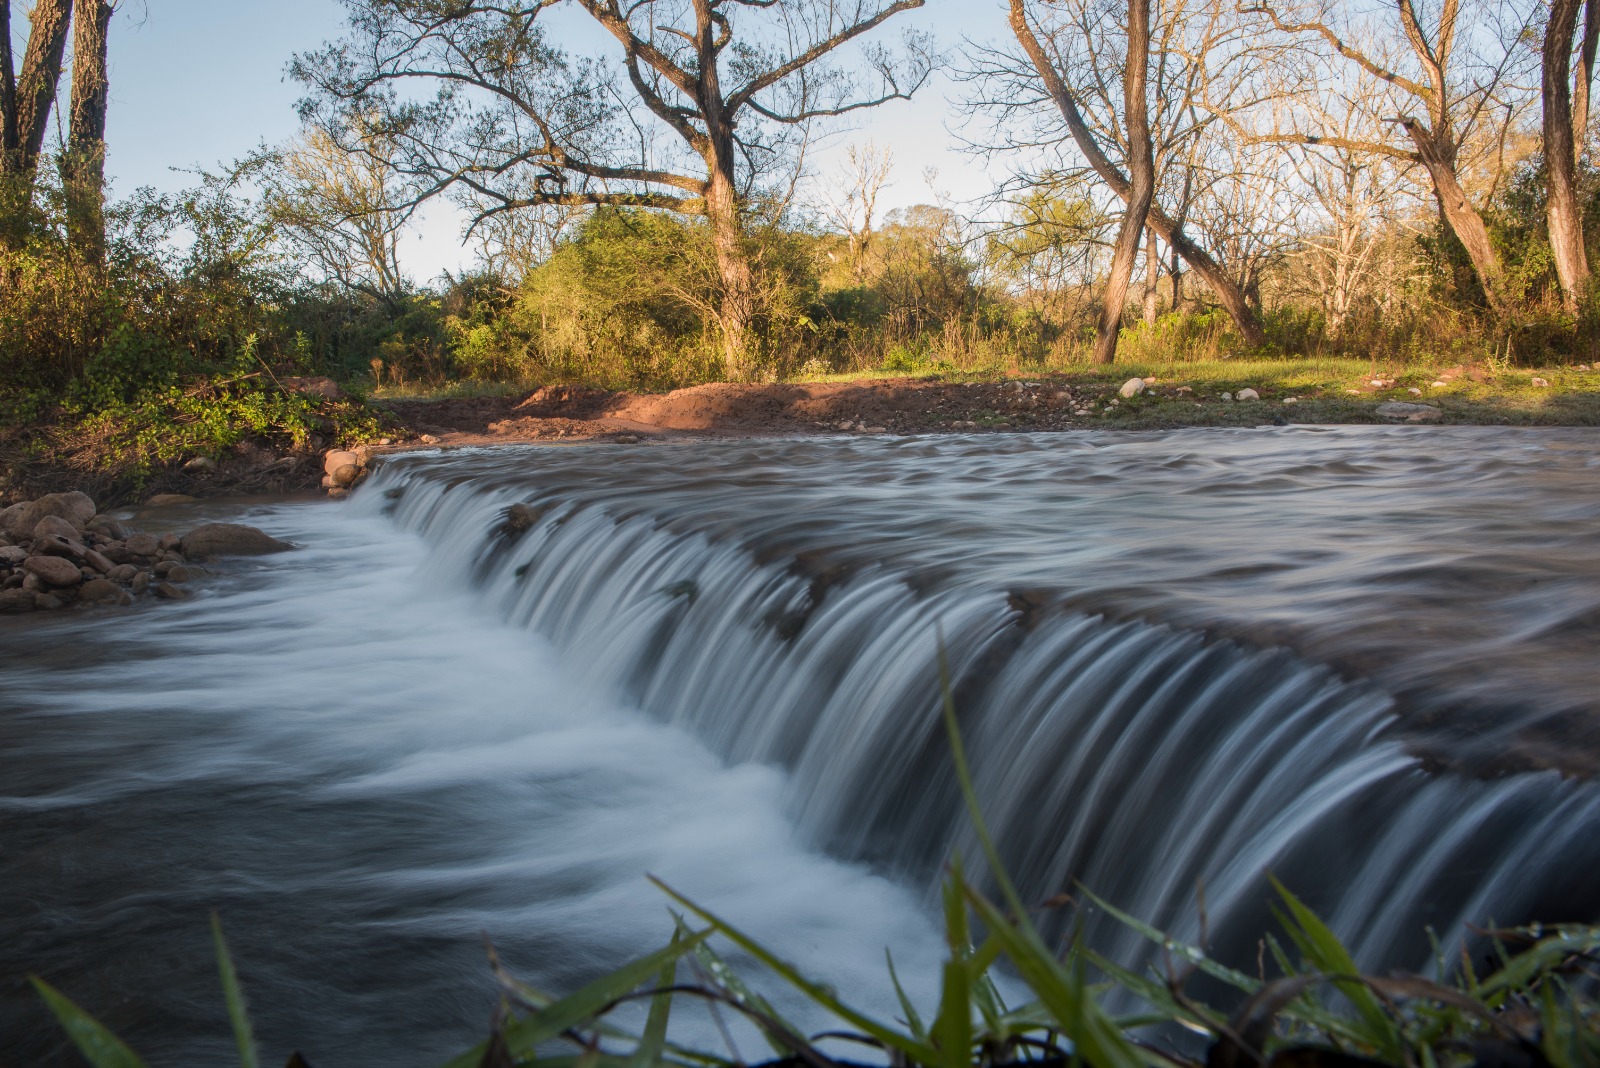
238	1011
100	1047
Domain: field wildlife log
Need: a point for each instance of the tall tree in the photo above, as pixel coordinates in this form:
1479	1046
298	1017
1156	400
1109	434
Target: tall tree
693	113
1435	104
1563	207
25	101
8	89
83	167
1141	183
1066	101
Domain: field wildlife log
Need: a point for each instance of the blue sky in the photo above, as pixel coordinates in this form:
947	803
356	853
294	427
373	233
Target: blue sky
195	82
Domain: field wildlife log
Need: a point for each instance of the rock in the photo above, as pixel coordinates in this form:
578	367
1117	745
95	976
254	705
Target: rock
1414	391
53	526
141	582
117	552
337	493
168	592
428	439
12	555
16	602
98	561
76	508
345	475
111	528
170	542
48	602
1291	400
385	441
1131	388
99	590
882	430
179	573
230	539
18	516
122	573
317	386
1227	396
1408	412
1247	394
1014	387
53	570
161	500
143	545
338	458
33	582
519	517
327	482
626	439
1540	382
200	465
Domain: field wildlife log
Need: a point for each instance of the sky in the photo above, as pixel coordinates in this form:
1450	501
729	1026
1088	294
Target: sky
195	83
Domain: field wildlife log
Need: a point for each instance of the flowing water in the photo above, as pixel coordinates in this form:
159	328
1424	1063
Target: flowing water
1361	659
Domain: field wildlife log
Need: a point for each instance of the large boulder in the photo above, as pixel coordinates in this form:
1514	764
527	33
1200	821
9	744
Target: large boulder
76	508
230	539
53	526
53	570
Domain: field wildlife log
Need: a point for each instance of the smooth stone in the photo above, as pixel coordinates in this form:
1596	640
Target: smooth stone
161	500
344	476
167	591
49	602
338	458
143	545
111	528
200	465
1247	394
141	582
99	590
1131	388
53	526
17	601
337	493
75	507
122	573
170	542
12	555
53	570
230	539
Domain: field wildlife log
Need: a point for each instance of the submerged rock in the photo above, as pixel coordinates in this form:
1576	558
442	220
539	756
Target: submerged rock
230	539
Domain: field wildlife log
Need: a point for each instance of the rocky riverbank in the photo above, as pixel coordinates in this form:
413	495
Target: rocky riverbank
59	550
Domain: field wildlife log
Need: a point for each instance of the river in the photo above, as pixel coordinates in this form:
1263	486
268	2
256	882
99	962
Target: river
1359	658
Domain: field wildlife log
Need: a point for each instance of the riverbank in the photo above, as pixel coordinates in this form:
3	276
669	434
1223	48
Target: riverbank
1133	397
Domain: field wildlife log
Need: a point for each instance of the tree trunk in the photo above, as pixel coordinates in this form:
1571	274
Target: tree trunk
1152	277
1583	77
1459	214
1232	299
8	91
1142	185
41	72
737	305
83	169
1562	206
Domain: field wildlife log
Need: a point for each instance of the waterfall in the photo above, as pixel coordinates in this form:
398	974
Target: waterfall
1147	761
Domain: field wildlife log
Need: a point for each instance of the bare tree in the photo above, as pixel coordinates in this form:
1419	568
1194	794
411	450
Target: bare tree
1437	107
1175	95
853	210
83	166
345	212
706	100
1563	207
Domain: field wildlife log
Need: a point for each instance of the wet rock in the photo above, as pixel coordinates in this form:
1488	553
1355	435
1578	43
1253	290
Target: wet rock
337	493
161	500
99	590
53	570
53	526
12	555
108	527
15	602
171	543
48	602
13	518
122	573
168	592
143	545
1406	411
626	439
140	582
33	582
117	552
344	476
230	539
1131	388
1247	394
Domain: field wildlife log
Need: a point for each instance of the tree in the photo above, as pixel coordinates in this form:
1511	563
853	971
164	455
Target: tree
853	211
704	103
83	165
1564	208
1066	100
26	100
1437	110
